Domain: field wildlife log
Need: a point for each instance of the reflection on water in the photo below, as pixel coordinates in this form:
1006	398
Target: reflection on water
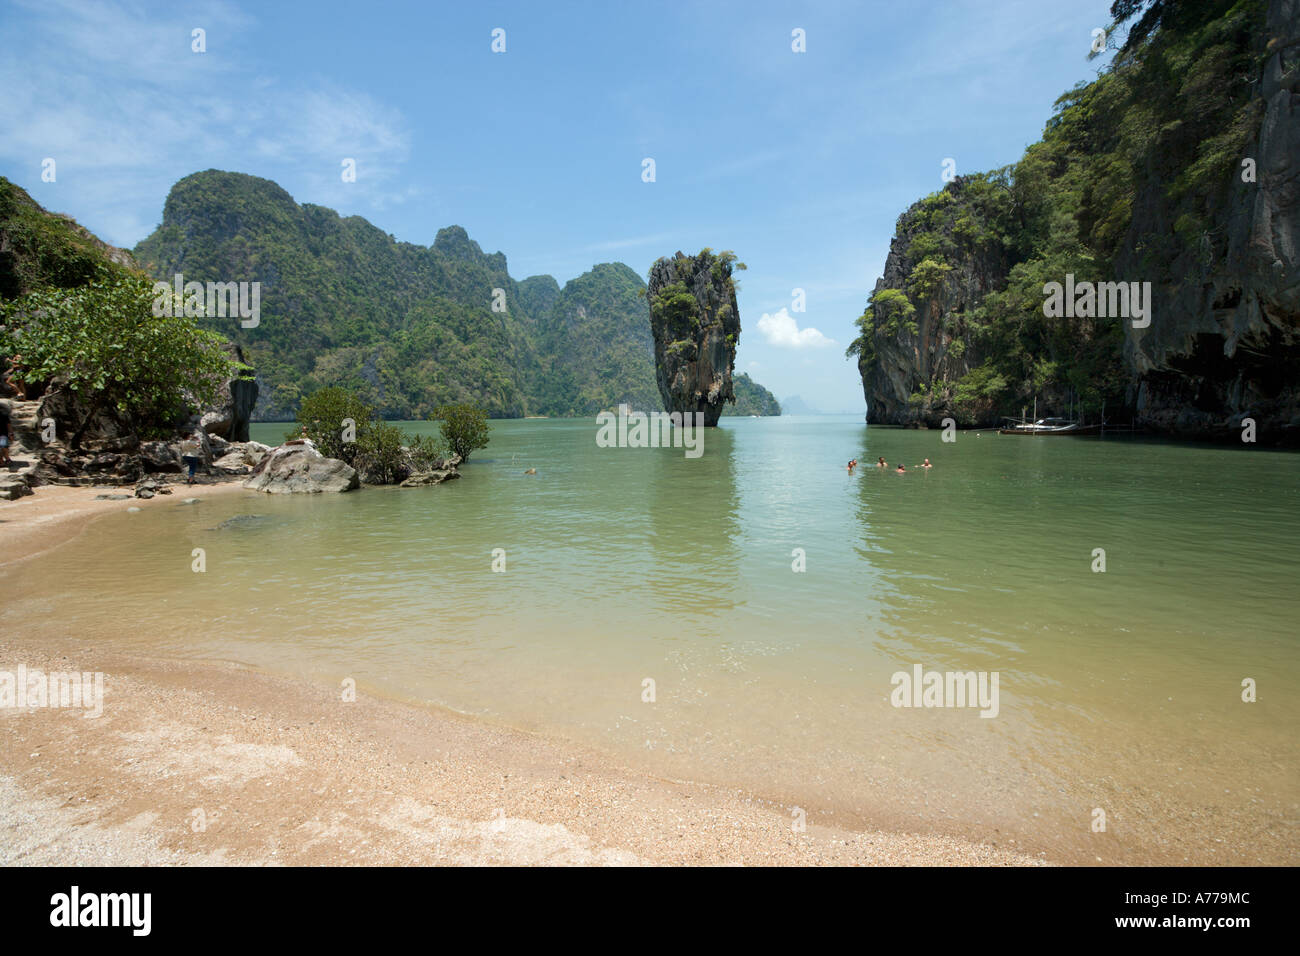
1119	690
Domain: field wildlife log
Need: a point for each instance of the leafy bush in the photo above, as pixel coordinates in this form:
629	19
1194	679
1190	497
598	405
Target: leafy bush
464	428
103	340
323	414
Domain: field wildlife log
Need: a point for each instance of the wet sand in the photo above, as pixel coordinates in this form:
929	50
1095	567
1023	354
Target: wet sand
55	514
198	763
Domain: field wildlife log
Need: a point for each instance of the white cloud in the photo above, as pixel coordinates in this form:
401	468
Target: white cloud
783	331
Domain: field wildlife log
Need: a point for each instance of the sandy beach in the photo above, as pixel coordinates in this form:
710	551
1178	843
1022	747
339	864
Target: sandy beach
199	763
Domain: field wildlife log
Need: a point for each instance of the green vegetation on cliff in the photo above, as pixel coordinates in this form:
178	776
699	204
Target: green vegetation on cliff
407	328
956	325
75	313
751	398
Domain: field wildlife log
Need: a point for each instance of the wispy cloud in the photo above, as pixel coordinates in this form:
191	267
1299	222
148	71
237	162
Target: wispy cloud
140	109
632	243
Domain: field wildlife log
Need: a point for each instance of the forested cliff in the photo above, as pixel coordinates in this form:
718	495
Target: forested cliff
406	327
1179	166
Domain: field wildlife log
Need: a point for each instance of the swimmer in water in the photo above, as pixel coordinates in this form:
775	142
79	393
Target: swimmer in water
882	463
853	463
926	464
901	470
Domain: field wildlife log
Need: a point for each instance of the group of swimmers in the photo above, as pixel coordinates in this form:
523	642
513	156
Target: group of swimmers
881	463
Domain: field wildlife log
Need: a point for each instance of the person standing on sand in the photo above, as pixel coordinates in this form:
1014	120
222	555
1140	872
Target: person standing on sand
191	451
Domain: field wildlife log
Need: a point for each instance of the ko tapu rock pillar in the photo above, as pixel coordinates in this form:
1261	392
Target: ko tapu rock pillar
696	324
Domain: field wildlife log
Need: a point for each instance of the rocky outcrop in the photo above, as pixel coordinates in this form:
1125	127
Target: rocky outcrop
299	468
441	471
111	452
695	322
1221	252
14	486
939	347
1224	340
241	458
233	411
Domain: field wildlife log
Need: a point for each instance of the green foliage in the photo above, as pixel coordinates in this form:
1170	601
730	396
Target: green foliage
751	398
104	342
380	454
39	250
426	452
325	413
406	327
677	310
892	312
464	428
1165	126
378	450
927	278
596	351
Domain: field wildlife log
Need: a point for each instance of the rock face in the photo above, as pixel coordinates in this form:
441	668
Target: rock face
696	324
234	409
241	458
1224	340
301	469
896	363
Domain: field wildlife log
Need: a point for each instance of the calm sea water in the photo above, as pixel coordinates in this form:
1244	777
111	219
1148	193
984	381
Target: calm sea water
1119	691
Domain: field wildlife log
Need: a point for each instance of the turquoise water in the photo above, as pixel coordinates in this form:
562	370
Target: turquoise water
1118	690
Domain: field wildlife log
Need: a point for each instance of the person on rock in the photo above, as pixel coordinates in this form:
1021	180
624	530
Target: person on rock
13	381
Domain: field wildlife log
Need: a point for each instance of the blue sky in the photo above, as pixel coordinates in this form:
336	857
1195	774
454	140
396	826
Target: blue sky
800	162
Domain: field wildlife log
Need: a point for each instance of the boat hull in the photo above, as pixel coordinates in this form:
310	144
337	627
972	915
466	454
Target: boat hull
1081	430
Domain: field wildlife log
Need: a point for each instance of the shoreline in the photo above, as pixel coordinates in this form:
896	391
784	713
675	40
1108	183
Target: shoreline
191	763
53	515
376	781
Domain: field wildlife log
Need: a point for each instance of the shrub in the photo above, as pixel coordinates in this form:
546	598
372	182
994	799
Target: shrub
464	428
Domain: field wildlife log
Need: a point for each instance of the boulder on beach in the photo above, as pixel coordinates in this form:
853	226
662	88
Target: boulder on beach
300	469
241	457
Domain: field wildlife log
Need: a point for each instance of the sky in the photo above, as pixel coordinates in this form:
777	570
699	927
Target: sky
800	162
